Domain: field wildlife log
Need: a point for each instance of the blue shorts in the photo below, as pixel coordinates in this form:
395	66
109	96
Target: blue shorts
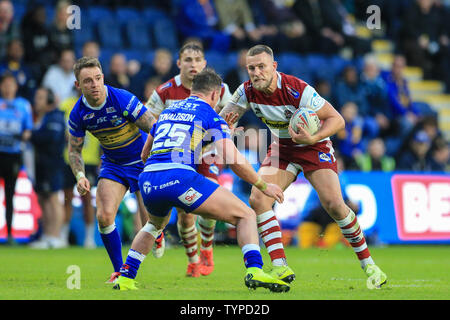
126	175
181	188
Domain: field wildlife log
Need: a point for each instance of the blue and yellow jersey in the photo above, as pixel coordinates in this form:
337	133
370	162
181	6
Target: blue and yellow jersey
181	132
113	124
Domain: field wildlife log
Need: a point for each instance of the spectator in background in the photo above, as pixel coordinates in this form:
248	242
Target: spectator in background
60	78
236	20
91	49
440	155
198	19
238	74
48	138
290	30
415	157
91	157
61	37
150	85
404	113
36	38
118	72
423	38
15	127
375	159
9	30
14	64
349	139
323	88
374	89
329	27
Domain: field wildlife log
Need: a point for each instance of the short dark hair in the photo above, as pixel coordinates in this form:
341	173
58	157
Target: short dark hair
206	81
258	49
85	62
191	45
7	74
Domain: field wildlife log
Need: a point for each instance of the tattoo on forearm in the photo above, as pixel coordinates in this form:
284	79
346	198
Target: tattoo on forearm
75	159
146	121
232	107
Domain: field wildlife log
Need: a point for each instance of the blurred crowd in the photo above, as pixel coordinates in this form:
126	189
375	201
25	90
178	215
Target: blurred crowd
137	42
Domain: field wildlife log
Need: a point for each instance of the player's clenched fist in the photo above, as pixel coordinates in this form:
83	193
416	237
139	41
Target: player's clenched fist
83	186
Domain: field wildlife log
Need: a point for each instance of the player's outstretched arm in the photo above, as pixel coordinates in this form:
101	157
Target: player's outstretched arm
239	164
77	164
237	111
147	148
146	121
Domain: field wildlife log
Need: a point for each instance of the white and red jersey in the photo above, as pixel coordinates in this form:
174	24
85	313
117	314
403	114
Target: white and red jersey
275	110
173	90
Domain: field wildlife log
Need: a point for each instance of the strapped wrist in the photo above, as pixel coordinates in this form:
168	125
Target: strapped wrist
80	175
260	184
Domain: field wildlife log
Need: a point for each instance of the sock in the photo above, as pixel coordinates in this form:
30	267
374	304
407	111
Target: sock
189	238
131	266
354	235
89	234
65	232
252	256
270	233
111	240
206	227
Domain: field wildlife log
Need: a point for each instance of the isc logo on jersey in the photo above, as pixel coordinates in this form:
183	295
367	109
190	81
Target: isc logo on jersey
190	196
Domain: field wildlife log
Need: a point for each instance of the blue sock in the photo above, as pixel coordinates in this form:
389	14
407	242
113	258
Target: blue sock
131	266
111	239
252	256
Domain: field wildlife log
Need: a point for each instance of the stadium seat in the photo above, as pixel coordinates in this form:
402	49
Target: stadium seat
133	54
294	64
86	33
126	14
105	57
165	34
218	61
98	13
151	15
19	11
109	33
138	35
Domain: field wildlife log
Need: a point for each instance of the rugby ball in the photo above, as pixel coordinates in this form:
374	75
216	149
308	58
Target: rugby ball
307	118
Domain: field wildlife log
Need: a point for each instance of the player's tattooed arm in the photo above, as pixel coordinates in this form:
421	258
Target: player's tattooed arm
75	159
146	121
234	112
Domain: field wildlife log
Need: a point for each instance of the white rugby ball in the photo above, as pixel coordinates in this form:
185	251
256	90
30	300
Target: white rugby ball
307	119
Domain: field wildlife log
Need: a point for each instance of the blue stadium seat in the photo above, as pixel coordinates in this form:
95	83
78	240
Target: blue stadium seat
219	61
165	34
126	14
19	11
151	15
138	35
294	64
109	33
86	33
105	57
138	55
99	13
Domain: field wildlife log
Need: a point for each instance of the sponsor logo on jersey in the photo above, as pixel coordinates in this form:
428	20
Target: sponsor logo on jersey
138	109
88	116
288	114
110	110
293	92
214	169
101	120
190	196
165	86
275	124
325	157
316	100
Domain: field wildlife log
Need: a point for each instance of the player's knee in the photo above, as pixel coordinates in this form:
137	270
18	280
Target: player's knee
244	213
334	206
105	218
258	201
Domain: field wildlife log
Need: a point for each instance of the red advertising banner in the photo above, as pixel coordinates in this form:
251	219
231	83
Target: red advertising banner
422	206
26	209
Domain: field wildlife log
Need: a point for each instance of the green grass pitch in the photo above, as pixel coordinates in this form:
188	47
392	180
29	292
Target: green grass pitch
414	273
